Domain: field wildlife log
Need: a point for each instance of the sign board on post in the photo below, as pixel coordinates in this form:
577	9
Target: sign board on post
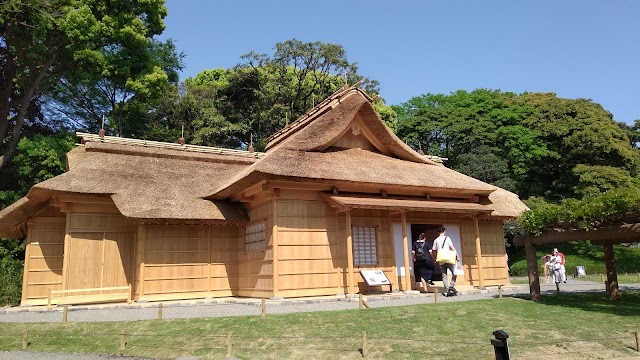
581	271
375	278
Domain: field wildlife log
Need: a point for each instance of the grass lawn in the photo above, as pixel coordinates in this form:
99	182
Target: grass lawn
566	326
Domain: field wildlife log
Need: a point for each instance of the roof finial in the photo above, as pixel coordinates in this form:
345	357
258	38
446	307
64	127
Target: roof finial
286	118
250	148
181	140
420	149
101	132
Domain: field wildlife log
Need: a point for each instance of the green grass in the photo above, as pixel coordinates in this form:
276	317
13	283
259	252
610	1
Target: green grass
571	326
578	254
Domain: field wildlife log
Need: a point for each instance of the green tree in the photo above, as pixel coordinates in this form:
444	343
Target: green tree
44	41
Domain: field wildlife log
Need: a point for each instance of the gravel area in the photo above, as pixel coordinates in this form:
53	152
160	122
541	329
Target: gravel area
209	308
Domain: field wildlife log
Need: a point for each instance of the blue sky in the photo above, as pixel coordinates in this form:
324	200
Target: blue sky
575	48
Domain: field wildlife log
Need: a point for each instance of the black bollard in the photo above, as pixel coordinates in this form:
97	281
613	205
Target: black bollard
500	345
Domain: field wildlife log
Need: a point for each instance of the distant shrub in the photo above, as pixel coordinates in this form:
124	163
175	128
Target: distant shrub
10	281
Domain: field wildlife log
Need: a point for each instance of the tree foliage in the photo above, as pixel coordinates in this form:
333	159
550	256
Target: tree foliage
43	41
535	144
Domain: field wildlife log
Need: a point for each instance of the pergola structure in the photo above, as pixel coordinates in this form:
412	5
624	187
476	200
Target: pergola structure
605	236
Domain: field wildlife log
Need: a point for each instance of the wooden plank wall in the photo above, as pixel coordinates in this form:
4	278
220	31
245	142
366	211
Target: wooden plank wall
187	261
43	256
384	238
255	268
308	257
492	246
100	252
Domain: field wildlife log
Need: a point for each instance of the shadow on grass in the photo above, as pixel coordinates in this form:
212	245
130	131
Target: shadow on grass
598	301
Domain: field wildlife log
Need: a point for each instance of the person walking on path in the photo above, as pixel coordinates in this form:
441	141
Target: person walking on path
443	242
563	271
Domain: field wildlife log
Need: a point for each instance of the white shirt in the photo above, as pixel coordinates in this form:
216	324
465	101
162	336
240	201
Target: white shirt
438	243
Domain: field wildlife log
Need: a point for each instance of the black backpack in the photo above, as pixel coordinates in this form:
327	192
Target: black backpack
420	251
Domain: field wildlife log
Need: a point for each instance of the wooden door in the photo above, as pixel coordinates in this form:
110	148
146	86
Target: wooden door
100	260
85	261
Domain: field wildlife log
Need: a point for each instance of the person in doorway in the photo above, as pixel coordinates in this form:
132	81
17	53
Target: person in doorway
441	242
563	271
422	263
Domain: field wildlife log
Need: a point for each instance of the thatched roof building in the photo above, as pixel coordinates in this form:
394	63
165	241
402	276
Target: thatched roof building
340	155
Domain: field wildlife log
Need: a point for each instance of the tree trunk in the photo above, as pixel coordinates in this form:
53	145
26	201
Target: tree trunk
612	273
532	271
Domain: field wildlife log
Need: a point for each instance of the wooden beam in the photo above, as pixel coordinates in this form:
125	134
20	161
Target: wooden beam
91	199
349	253
67	247
605	235
612	273
478	254
274	246
140	260
405	249
249	192
532	271
27	256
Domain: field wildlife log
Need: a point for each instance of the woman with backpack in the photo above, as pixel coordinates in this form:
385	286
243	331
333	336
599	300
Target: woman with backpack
423	267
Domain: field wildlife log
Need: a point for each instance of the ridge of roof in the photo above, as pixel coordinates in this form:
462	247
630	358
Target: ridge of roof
327	104
86	137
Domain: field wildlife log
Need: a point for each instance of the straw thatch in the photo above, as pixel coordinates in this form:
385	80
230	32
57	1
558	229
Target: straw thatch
13	218
152	181
148	184
306	153
505	204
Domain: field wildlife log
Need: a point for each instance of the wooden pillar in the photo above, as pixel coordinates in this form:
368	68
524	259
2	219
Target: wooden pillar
612	274
274	244
349	253
67	246
478	254
140	260
532	271
27	256
405	249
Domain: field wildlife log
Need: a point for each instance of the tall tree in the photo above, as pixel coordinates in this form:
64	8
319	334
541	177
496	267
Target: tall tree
42	41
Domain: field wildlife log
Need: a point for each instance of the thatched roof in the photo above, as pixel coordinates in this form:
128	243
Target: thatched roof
153	181
307	153
149	184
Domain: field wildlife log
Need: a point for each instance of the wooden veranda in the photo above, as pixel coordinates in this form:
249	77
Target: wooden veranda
605	236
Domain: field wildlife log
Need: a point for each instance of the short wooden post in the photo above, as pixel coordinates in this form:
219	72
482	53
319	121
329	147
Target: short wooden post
435	298
160	311
129	297
25	339
364	344
360	305
637	341
49	300
64	313
123	341
229	348
601	277
500	291
264	307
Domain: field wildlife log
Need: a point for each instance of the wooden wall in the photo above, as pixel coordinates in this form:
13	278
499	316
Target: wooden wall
492	247
255	268
99	250
308	257
385	250
187	261
44	255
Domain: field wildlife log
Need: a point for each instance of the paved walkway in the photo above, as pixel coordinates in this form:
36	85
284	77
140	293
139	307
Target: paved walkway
208	308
